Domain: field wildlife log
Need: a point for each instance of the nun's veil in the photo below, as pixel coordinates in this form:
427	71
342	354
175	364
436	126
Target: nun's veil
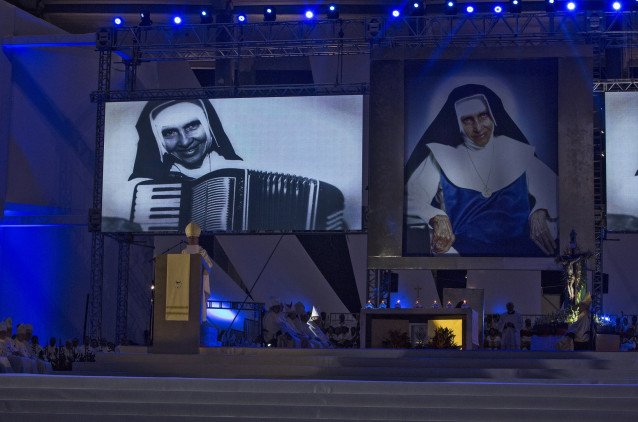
444	129
148	161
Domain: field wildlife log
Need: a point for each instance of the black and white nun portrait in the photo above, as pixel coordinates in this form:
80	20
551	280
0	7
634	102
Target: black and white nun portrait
180	138
474	180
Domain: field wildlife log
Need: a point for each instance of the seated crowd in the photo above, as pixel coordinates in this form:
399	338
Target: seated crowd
22	351
493	329
293	327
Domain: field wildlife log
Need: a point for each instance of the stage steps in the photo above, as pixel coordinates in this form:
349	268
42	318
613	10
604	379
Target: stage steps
75	398
375	365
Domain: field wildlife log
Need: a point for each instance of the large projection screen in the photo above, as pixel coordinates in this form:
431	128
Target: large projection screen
621	155
234	165
481	154
546	114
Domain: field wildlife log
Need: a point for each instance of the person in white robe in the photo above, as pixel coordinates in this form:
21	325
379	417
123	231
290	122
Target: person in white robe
511	323
272	321
193	231
476	184
5	365
51	351
581	329
314	326
10	341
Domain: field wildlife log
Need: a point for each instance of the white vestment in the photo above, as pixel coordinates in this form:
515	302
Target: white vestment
193	250
493	167
511	336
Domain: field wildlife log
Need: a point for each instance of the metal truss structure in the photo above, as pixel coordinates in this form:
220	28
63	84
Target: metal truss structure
361	36
341	37
600	208
615	85
124	248
97	238
231	92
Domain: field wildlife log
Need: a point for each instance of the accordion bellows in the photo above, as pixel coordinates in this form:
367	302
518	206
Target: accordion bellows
239	200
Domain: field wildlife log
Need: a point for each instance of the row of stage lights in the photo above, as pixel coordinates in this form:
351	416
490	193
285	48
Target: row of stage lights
515	6
270	15
415	8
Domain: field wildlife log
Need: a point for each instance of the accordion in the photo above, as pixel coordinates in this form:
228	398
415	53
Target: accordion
239	200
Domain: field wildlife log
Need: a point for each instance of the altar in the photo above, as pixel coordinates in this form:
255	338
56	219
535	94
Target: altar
376	324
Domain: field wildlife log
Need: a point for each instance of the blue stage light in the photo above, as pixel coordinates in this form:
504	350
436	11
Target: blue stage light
396	13
241	18
498	9
515	6
177	20
145	18
333	11
117	21
616	5
450	7
571	6
205	16
309	14
270	14
417	8
469	8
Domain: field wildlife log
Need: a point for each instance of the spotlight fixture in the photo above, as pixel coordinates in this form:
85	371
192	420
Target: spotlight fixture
205	16
118	21
450	7
498	9
177	20
145	18
616	5
571	6
309	14
417	8
241	18
395	13
333	11
550	6
270	14
515	6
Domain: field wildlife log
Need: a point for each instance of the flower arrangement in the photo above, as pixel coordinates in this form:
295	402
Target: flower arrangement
397	339
443	339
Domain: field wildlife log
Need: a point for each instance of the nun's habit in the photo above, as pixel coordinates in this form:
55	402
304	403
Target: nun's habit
488	192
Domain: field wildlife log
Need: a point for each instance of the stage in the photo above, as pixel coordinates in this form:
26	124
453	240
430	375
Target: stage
331	385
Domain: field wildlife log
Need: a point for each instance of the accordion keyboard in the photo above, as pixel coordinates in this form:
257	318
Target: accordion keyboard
156	207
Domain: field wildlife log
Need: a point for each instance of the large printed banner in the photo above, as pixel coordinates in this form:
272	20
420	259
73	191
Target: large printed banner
481	158
233	165
621	155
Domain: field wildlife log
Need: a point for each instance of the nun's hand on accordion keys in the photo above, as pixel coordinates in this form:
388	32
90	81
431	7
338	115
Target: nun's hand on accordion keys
443	236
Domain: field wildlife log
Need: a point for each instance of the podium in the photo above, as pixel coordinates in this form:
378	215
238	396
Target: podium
177	311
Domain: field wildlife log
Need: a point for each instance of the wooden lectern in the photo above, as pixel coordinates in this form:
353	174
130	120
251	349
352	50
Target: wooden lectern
177	313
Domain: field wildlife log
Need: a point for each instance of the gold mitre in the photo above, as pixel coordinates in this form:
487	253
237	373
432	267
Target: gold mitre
193	230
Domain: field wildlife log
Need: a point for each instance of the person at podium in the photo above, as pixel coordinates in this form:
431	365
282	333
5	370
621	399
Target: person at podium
193	231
